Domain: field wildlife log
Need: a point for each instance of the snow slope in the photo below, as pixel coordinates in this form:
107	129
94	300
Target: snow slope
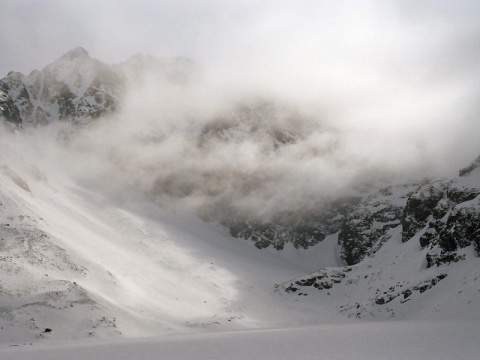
86	264
86	270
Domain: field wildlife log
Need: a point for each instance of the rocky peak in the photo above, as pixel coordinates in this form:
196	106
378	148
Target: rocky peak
470	168
74	87
79	88
8	111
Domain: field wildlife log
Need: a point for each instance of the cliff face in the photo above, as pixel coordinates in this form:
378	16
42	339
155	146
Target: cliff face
9	113
442	215
400	243
75	86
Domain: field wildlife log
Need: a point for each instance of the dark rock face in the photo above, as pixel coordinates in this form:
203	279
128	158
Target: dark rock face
8	111
357	235
366	227
445	215
448	213
420	206
302	228
321	280
392	293
301	233
362	226
459	230
468	170
443	258
460	195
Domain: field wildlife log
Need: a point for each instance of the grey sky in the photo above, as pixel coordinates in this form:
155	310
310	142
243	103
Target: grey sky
36	32
227	33
405	70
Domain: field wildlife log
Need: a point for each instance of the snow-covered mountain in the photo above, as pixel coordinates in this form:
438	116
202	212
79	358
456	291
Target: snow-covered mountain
77	87
402	242
101	240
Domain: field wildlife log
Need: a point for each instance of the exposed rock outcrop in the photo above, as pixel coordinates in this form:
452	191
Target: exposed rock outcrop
9	113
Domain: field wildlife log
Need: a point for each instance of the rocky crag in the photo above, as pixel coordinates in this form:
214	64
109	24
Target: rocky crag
400	243
79	88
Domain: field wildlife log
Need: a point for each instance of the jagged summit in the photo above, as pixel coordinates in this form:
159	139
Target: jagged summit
79	88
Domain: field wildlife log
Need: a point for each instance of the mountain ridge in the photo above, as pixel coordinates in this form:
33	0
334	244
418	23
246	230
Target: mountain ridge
77	87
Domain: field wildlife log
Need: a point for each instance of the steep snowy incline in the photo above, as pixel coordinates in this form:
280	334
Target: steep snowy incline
86	264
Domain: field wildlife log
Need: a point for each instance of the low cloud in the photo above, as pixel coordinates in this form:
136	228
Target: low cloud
291	107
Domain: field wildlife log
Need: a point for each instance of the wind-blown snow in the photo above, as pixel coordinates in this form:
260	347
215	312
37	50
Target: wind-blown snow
89	263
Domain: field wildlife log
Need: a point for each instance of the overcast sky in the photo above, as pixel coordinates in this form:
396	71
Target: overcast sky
235	34
409	66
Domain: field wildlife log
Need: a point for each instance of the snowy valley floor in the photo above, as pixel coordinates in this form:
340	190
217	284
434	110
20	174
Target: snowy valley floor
372	340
